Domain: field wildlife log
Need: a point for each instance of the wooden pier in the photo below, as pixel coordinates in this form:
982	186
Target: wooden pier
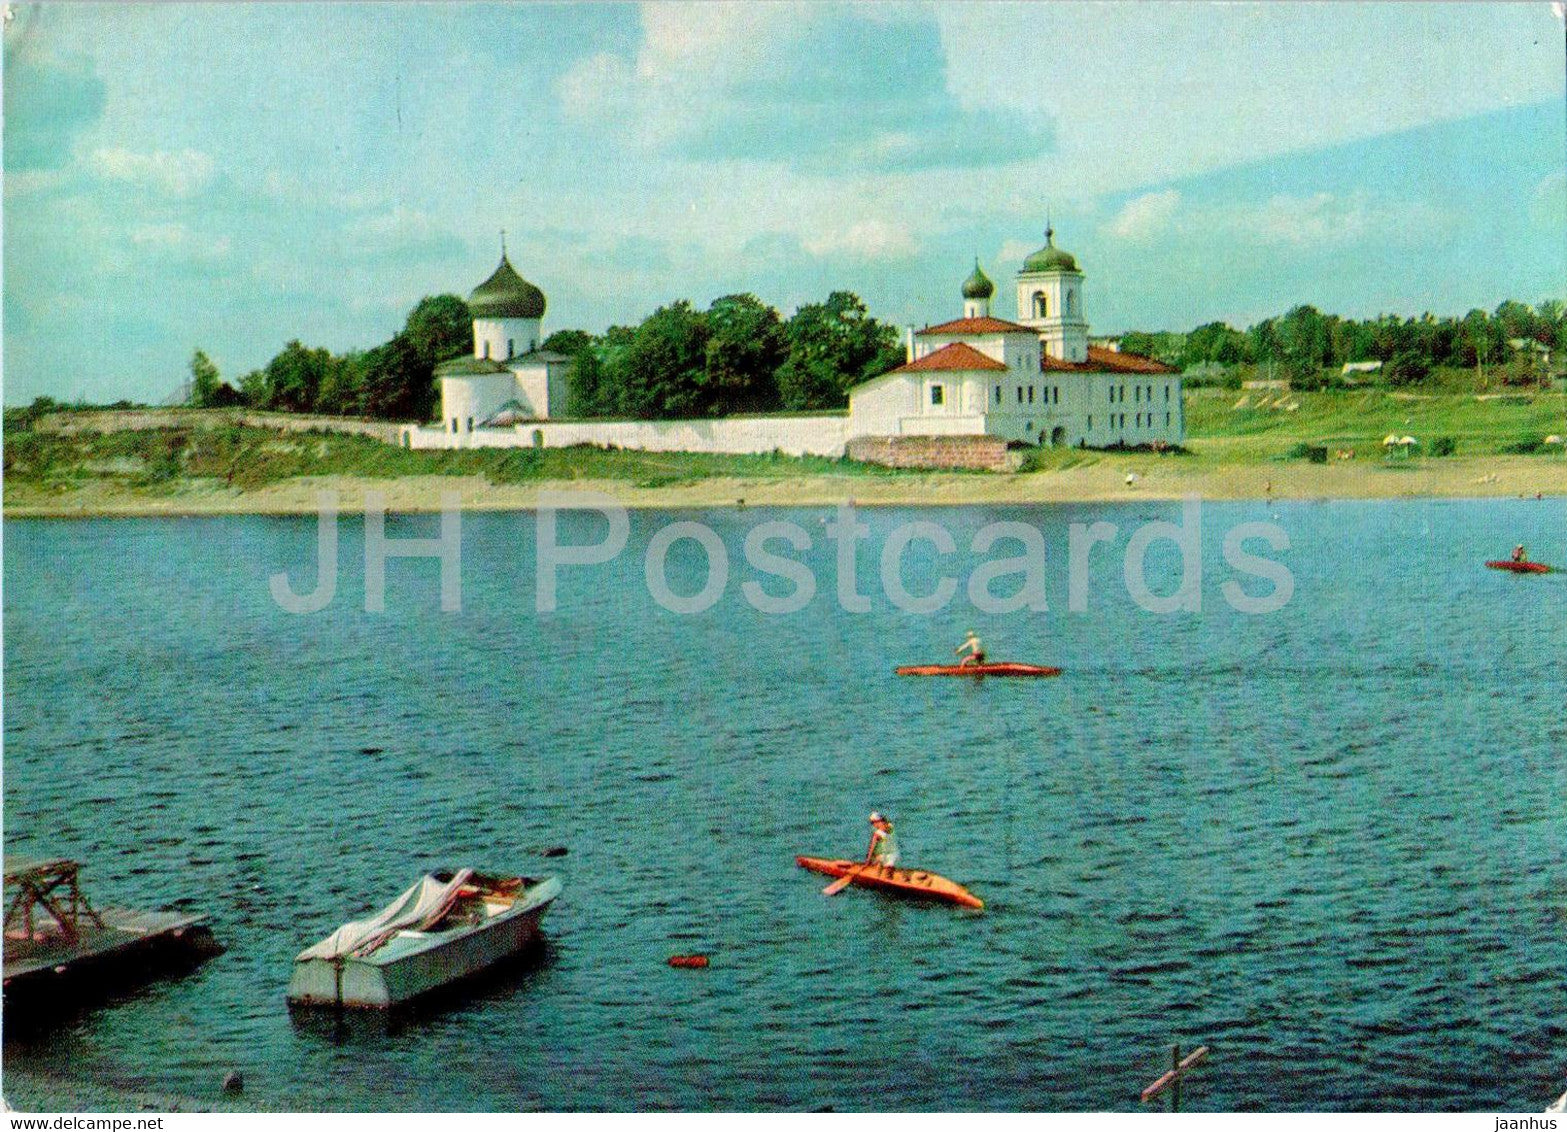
53	934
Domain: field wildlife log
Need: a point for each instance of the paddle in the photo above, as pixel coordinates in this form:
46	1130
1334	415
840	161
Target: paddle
845	880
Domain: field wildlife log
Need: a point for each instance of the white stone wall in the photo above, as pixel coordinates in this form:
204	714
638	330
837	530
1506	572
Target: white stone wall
467	401
805	435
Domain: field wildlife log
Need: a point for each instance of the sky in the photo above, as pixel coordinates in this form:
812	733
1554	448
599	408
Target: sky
233	176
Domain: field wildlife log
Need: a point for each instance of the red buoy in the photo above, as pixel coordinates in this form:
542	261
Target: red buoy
688	961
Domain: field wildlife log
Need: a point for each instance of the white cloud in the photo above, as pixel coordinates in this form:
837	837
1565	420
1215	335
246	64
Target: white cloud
400	232
179	174
1549	203
1331	218
1145	217
830	87
869	239
179	239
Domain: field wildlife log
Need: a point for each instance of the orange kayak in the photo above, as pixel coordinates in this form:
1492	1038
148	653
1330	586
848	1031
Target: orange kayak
1521	567
904	882
976	670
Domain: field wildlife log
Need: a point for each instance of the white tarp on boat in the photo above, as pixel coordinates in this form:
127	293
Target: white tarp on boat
418	908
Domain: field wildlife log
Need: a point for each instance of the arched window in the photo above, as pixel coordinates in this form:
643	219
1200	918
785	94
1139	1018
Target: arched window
1041	305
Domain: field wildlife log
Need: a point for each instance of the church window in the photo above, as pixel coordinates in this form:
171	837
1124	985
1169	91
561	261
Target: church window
1167	420
938	394
1019	394
1166	396
486	349
1041	305
511	347
1030	394
998	397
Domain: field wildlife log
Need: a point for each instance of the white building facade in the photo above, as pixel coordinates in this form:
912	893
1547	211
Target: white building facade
509	377
1036	381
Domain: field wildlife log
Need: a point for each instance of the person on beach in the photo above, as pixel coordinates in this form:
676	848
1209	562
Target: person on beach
976	652
884	846
1520	554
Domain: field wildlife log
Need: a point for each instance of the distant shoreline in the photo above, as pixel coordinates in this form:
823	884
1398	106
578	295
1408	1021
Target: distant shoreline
1155	478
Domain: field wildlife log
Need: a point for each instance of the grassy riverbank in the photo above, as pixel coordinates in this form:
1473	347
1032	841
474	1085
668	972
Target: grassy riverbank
1240	446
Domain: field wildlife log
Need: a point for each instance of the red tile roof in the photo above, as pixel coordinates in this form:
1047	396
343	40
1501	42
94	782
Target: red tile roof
1101	360
957	356
978	326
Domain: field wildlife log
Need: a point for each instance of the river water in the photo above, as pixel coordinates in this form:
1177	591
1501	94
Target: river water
1328	841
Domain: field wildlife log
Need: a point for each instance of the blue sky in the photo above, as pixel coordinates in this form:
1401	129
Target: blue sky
232	176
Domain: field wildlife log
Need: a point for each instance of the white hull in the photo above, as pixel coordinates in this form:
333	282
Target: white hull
437	959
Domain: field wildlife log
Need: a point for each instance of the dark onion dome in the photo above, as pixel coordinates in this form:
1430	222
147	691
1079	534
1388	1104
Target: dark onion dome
977	286
1050	257
506	295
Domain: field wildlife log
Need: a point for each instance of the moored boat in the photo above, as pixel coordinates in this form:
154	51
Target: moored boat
1520	567
904	882
447	927
999	669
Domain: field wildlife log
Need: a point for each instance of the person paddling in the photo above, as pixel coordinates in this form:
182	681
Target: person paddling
1520	555
884	845
976	652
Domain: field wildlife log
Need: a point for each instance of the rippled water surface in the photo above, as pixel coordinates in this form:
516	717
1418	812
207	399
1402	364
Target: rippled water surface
1328	842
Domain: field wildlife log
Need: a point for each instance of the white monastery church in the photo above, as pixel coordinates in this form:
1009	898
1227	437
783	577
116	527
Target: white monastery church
1037	380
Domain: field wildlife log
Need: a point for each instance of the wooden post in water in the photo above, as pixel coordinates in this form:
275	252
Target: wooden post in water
1179	1067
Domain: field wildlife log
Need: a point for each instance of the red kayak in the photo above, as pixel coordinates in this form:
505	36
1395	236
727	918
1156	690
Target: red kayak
977	670
1521	567
904	882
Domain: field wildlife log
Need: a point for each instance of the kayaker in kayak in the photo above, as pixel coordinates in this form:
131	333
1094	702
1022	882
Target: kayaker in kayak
976	652
1520	555
884	846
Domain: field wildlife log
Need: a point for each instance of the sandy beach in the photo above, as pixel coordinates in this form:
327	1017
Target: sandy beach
1104	481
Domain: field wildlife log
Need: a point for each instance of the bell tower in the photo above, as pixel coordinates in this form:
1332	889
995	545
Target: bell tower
1050	300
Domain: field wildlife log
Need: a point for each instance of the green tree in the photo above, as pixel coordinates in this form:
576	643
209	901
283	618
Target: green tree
833	346
584	386
662	373
1212	342
397	382
1407	367
342	385
1305	335
204	380
253	388
439	327
293	377
567	342
746	345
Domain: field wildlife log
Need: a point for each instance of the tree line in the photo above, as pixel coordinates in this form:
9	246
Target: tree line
394	380
738	356
1304	342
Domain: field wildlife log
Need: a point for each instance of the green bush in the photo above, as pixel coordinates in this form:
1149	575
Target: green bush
1524	447
1316	453
1444	446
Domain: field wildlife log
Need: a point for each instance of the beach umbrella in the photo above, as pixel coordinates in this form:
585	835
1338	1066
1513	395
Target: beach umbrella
1408	440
